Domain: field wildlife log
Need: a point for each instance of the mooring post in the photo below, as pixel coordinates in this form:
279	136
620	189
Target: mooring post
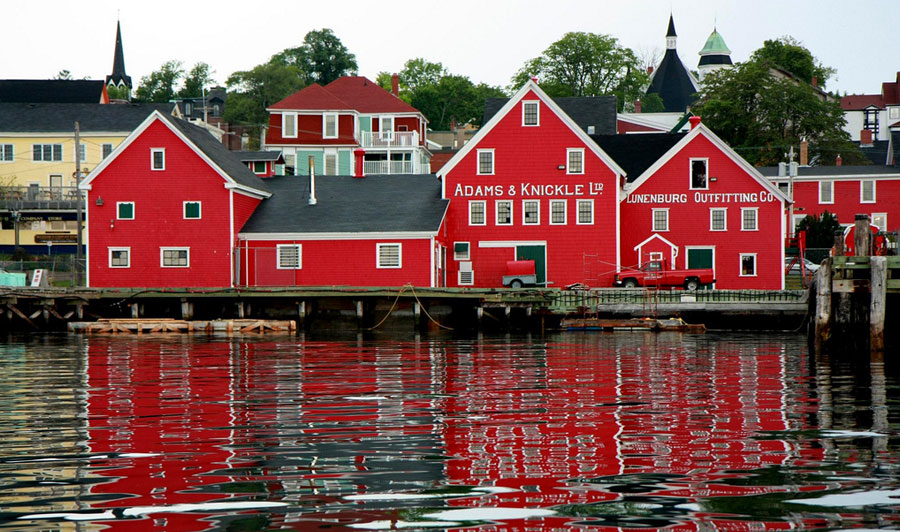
417	315
479	312
878	290
241	310
838	249
862	237
135	310
359	313
187	309
301	313
823	305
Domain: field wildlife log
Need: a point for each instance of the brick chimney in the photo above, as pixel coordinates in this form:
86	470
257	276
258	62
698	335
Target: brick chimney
395	85
650	69
637	106
865	137
804	152
838	161
695	121
815	81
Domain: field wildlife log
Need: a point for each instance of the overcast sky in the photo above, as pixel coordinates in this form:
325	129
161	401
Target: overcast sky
486	40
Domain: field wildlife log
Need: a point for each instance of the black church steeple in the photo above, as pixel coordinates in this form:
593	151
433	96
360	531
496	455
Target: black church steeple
119	78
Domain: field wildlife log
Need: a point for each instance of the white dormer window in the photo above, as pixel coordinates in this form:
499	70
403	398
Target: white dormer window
531	113
157	158
330	126
289	125
575	161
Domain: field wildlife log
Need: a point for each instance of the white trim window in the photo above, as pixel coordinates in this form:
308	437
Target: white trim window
574	160
289	125
386	127
476	212
290	256
660	220
749	219
879	220
124	210
585	212
46	152
82	152
699	174
106	150
531	212
826	192
174	257
461	251
748	265
331	162
504	212
157	158
330	126
390	255
7	154
867	191
485	162
258	167
119	257
465	276
531	113
191	210
558	212
718	219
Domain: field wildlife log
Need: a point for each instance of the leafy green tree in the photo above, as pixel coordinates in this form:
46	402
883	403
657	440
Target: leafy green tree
819	229
586	64
789	54
652	103
63	74
159	86
322	58
252	91
199	77
117	93
761	115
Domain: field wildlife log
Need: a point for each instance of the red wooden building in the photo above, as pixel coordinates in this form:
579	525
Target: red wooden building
532	185
165	207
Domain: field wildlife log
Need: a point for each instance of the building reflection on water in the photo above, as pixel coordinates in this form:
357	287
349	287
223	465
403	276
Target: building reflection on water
360	433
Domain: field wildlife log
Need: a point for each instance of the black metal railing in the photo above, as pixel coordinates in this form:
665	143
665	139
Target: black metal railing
34	197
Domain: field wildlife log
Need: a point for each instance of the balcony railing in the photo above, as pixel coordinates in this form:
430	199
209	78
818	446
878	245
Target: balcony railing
35	197
390	139
389	167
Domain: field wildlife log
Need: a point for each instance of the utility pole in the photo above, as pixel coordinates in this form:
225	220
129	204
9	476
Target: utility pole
792	172
79	215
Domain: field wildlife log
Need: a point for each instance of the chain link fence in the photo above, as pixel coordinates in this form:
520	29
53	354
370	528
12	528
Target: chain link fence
62	270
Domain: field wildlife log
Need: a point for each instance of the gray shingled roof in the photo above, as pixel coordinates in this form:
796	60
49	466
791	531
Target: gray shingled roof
248	156
50	91
833	171
61	117
636	153
218	153
377	203
597	111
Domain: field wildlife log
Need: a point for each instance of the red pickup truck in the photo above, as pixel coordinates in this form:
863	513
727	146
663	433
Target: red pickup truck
656	273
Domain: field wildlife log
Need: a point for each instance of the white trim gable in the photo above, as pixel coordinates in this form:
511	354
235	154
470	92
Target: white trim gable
531	86
701	129
154	116
657	236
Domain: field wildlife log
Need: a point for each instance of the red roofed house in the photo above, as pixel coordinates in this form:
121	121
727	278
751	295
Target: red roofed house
874	118
350	127
165	208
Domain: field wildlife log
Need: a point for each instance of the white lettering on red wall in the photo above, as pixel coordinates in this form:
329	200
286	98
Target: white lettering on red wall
704	197
528	190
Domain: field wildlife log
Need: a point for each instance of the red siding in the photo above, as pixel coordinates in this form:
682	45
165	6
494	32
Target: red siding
689	221
847	200
525	156
243	208
411	123
309	131
336	262
158	197
623	126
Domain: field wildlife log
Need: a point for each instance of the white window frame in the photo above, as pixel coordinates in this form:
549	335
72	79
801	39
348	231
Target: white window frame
741	265
578	204
537	112
378	257
83	151
830	192
862	188
755	211
460	256
472	204
565	213
385	134
280	247
162	255
265	167
497	212
184	205
883	215
479	153
893	113
569	152
653	220
133	210
7	153
127	251
106	150
525	204
153	152
337	133
712	224
465	267
285	118
691	162
53	151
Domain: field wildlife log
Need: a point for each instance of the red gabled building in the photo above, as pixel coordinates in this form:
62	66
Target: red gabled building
531	185
165	207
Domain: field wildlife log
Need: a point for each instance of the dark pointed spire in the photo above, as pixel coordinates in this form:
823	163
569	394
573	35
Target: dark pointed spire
671	32
118	76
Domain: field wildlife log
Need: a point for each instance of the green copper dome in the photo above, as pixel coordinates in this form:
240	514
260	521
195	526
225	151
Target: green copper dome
715	45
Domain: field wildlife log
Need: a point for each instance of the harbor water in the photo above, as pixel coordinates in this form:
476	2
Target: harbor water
569	431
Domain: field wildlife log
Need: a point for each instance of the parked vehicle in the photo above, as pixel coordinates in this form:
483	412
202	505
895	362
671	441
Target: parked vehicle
792	265
657	274
519	273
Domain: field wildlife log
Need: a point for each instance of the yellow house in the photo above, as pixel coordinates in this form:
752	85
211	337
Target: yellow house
37	165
